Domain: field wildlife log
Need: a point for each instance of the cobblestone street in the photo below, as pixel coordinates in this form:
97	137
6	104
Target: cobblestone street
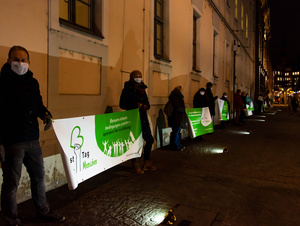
256	183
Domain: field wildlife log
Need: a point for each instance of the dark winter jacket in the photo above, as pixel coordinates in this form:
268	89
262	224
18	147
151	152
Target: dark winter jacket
211	101
178	116
200	101
225	99
20	104
238	101
134	96
294	103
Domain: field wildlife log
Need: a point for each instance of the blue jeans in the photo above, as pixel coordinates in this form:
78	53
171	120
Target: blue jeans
175	136
29	153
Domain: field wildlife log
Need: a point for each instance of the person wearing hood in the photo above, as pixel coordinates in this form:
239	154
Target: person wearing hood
134	96
224	97
21	106
211	99
176	121
200	99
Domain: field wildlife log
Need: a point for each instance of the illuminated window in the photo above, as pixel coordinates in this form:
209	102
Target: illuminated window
161	29
80	14
158	28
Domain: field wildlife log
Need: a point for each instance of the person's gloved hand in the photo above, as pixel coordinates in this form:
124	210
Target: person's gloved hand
2	153
47	121
145	107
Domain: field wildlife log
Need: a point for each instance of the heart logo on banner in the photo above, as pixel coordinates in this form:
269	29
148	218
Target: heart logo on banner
76	138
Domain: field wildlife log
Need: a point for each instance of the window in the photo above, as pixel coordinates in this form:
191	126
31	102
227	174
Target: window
215	51
158	28
79	14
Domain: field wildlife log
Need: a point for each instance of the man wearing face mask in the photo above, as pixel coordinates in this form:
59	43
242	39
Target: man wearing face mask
21	105
134	96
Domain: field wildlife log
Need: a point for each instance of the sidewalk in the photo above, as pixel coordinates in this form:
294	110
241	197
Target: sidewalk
256	183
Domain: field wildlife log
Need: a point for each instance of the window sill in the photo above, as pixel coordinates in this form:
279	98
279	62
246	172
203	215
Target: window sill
82	30
162	59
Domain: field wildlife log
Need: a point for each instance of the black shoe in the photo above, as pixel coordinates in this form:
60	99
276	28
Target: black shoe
51	217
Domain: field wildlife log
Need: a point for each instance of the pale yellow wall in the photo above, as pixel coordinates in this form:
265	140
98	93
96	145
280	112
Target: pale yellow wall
126	40
19	27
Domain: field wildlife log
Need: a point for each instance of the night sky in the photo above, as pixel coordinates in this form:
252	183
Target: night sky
285	24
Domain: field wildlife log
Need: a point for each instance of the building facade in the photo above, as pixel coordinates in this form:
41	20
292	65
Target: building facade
82	52
263	69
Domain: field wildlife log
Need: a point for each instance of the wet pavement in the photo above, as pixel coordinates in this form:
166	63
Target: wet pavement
257	182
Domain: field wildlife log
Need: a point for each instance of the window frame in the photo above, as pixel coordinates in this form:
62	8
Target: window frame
159	21
71	22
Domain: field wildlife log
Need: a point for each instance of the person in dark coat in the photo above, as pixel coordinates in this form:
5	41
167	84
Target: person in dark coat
134	96
238	105
211	99
294	104
176	121
200	99
243	111
21	106
224	97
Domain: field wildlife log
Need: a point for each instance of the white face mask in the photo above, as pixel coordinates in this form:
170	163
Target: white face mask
225	96
202	93
19	67
138	80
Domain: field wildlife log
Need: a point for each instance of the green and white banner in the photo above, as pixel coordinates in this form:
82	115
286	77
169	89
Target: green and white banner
200	121
250	108
223	110
93	144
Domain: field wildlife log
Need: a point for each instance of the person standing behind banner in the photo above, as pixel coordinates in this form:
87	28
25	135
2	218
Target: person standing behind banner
224	97
248	99
244	108
176	121
21	106
134	96
211	99
260	102
200	99
238	105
